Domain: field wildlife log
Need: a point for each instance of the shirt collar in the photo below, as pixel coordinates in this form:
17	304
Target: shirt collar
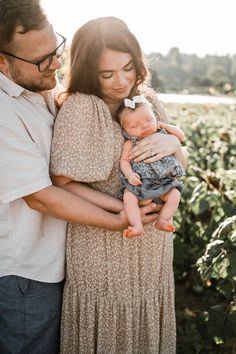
10	87
14	90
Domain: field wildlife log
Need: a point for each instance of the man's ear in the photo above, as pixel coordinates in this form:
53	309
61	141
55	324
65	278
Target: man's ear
3	64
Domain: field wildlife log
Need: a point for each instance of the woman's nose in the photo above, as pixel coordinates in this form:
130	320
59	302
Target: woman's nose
121	78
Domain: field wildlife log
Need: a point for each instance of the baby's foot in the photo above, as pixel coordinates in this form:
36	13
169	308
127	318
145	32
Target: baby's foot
164	225
133	232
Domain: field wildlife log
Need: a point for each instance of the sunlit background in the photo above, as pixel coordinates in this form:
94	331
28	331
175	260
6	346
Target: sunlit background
196	27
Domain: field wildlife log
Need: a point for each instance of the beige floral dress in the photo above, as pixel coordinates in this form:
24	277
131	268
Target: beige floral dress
119	292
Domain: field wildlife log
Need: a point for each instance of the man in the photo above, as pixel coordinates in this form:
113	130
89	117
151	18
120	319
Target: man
32	210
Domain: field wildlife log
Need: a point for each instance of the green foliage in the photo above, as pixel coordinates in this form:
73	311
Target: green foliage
210	185
206	218
219	262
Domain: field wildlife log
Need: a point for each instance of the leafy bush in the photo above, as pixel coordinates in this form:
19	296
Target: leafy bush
205	219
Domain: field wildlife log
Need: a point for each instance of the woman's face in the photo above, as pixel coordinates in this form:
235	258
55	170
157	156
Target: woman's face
116	75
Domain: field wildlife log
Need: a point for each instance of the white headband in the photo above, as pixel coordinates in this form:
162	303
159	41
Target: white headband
130	103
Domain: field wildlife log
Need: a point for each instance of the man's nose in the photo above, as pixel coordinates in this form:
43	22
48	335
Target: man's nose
56	63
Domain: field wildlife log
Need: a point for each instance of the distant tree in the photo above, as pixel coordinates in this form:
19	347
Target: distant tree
177	71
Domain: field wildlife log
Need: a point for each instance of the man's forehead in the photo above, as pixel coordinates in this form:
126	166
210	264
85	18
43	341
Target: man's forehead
36	39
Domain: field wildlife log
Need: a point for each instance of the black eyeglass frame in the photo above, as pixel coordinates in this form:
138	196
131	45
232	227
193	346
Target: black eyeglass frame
39	62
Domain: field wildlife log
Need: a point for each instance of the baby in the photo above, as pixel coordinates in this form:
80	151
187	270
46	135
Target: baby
142	181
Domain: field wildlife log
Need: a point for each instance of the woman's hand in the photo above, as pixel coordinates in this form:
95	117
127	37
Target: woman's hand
154	147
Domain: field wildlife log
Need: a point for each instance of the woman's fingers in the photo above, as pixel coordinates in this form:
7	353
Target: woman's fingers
154	158
138	151
155	147
145	155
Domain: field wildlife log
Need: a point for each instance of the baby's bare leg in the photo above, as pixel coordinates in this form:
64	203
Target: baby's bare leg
164	220
133	214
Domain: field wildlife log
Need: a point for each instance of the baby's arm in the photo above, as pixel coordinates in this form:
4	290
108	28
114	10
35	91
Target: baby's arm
125	165
172	129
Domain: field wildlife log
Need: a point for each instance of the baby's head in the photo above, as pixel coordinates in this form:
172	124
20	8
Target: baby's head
136	117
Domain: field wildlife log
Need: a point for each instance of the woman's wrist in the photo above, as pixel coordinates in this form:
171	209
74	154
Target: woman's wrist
181	156
177	143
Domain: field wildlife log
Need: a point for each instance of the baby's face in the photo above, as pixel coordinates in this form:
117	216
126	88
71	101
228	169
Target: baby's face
139	122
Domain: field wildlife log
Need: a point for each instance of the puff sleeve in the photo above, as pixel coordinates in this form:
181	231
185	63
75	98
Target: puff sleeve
82	145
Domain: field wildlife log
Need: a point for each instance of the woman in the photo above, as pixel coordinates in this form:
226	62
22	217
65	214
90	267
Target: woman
119	292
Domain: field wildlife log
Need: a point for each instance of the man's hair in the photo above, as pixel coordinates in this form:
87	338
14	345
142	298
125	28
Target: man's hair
28	14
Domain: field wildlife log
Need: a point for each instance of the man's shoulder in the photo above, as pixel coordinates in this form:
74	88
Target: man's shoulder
6	104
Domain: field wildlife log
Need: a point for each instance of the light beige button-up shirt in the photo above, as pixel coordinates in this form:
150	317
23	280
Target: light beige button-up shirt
32	245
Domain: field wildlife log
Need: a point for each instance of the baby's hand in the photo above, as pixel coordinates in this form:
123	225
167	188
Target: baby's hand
160	125
134	179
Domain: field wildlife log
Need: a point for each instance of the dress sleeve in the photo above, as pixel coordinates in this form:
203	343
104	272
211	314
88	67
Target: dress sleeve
82	145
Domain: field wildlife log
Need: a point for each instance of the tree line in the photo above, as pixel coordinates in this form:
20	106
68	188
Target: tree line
188	73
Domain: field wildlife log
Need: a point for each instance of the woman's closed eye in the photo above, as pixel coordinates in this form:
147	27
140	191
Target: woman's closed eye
106	75
129	68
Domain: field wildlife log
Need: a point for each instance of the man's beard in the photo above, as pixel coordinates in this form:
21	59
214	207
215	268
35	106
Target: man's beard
16	76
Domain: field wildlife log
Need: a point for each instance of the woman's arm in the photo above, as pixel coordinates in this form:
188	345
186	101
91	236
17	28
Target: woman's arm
172	129
182	156
98	198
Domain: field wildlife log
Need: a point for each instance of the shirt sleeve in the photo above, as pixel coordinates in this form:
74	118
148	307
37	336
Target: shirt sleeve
78	151
23	169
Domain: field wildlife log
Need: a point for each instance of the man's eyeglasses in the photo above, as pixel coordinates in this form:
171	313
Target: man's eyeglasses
44	63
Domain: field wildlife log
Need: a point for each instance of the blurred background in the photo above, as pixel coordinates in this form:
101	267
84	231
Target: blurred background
190	45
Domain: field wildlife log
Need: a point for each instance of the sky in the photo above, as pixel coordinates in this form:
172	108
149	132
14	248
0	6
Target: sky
194	26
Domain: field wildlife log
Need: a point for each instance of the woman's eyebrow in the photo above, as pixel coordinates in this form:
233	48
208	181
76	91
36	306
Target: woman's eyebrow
110	71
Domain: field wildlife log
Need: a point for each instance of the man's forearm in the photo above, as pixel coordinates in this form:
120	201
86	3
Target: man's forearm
67	206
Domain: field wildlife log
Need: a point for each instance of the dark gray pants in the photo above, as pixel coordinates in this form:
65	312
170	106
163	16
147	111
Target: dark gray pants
30	313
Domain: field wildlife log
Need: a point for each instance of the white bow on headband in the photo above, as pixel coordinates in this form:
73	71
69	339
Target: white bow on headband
130	103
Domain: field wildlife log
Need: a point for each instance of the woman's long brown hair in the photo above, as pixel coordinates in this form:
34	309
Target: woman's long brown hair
87	46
